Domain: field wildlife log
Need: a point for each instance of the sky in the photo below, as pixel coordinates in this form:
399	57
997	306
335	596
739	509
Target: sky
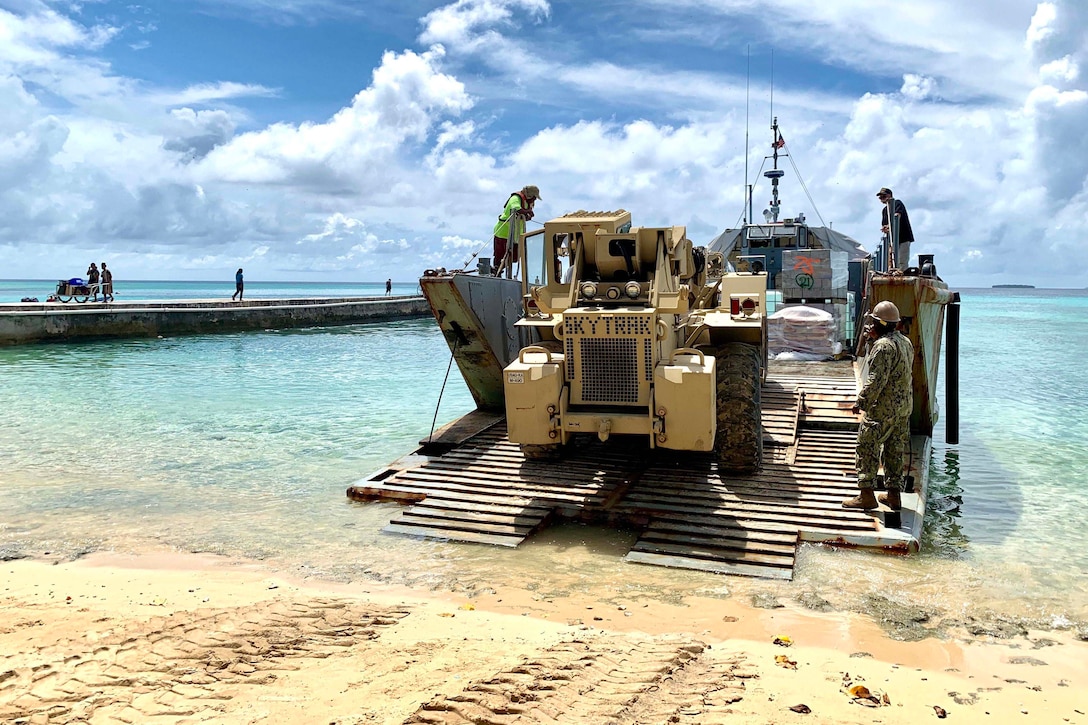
355	140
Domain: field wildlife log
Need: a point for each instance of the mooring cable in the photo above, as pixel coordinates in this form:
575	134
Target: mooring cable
456	344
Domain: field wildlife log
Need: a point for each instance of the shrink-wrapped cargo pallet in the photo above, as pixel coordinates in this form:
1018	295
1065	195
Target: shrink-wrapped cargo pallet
803	332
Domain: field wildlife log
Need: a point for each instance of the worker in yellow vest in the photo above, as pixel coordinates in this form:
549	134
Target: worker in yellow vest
518	209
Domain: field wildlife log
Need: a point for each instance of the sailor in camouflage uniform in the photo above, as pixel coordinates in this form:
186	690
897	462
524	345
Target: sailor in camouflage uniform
886	400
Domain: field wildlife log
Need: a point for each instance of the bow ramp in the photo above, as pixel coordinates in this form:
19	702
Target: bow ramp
471	484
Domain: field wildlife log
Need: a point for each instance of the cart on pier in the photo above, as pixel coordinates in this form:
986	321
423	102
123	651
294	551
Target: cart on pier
75	289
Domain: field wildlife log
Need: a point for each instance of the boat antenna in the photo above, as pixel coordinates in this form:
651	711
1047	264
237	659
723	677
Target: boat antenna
775	173
747	89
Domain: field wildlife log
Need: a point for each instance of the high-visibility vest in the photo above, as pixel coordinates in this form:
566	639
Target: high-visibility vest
514	203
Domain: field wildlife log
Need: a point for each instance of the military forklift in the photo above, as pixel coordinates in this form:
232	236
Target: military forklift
638	333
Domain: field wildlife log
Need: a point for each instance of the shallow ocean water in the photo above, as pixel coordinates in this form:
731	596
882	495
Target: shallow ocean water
243	445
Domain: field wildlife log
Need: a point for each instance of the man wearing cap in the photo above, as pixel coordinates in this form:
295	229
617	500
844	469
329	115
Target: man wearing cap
519	207
885	402
906	234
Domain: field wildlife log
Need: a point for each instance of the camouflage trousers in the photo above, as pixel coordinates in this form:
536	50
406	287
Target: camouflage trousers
882	441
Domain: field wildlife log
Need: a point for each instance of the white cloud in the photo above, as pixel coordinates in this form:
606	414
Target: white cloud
25	154
1042	25
195	133
296	12
1058	41
470	23
210	92
983	141
972	49
338	228
1063	70
353	149
460	243
918	88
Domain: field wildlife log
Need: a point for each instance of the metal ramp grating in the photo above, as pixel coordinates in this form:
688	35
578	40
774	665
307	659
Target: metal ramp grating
485	491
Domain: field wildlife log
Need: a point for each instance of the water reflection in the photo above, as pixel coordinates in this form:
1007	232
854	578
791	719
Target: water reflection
942	535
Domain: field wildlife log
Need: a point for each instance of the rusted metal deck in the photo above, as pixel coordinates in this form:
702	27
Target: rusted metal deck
479	488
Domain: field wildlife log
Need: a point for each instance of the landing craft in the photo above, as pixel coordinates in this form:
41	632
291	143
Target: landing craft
626	378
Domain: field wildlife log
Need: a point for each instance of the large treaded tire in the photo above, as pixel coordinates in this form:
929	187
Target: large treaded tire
738	444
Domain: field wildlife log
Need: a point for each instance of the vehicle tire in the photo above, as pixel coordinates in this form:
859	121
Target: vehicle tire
64	299
546	452
81	298
738	444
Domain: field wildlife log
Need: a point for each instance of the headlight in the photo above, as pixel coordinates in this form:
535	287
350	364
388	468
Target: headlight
633	290
588	290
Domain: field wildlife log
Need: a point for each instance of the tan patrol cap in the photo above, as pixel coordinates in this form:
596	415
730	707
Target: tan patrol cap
532	191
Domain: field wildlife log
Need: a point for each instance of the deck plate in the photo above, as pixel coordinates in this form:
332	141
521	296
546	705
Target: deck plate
692	516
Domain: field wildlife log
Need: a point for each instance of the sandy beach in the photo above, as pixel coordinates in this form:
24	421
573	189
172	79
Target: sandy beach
200	639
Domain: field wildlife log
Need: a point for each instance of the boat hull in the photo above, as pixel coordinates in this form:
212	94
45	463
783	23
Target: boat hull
477	315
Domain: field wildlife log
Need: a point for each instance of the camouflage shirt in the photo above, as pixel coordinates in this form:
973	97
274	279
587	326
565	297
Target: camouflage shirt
887	392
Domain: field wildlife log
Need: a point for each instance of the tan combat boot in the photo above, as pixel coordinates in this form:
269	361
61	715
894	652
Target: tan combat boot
890	499
864	500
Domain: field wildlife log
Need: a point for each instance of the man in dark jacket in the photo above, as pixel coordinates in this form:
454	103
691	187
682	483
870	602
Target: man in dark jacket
92	280
906	234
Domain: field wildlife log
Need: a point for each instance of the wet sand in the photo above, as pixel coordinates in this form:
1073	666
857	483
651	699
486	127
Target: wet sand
200	639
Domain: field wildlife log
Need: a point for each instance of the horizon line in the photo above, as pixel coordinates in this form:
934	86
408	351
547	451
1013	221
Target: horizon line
183	281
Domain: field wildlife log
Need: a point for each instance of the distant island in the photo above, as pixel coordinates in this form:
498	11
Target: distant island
1013	286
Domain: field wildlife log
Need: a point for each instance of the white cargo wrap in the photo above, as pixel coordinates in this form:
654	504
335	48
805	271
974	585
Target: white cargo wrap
803	329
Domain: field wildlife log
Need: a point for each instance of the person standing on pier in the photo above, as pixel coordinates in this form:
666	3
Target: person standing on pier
92	280
239	285
388	287
519	207
906	234
107	284
885	402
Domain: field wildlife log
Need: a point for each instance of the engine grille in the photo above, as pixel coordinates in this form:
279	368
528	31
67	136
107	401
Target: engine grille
609	370
609	357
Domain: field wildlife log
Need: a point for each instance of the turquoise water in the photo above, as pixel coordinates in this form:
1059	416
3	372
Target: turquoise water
244	444
130	290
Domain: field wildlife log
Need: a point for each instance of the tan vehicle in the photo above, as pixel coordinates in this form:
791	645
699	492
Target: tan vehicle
641	334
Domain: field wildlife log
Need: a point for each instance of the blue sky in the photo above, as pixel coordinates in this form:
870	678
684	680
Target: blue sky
333	140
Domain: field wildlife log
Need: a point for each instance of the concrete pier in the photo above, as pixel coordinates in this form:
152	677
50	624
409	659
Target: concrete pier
25	322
